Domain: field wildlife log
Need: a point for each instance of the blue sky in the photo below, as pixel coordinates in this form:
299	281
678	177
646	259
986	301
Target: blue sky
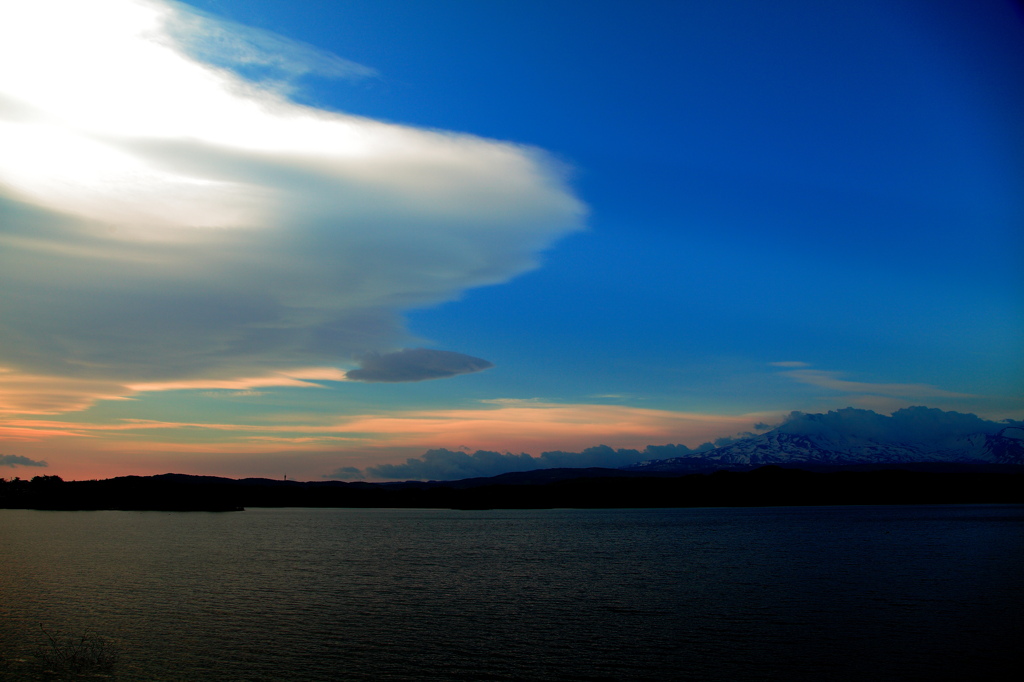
660	221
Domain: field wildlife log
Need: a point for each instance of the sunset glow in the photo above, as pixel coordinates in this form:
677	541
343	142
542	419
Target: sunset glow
245	238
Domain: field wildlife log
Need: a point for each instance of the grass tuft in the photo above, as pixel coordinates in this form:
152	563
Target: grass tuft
77	655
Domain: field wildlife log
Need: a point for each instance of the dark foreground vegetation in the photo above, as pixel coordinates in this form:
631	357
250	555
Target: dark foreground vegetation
569	488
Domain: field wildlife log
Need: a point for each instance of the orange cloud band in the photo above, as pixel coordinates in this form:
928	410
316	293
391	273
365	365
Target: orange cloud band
512	425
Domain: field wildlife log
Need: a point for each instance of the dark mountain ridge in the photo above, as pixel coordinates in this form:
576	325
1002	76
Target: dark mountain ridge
570	488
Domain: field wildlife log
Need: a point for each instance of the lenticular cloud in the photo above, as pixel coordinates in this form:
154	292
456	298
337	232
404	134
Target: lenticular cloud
415	364
164	217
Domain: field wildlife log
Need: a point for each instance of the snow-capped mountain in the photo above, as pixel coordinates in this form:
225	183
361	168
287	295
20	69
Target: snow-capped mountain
853	436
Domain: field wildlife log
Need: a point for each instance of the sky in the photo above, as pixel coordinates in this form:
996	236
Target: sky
269	238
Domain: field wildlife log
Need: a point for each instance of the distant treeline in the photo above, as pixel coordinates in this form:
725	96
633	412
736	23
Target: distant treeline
569	488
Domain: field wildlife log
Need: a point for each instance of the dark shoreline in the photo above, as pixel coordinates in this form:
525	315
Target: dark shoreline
543	489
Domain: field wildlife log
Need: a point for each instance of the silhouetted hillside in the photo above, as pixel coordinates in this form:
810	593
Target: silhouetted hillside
578	488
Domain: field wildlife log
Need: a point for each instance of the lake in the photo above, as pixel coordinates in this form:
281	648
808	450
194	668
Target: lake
779	593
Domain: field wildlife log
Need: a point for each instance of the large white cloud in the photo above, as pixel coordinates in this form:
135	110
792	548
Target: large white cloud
163	217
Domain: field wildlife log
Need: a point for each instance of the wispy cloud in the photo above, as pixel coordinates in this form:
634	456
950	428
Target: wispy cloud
523	426
832	381
305	378
166	220
538	426
260	55
27	393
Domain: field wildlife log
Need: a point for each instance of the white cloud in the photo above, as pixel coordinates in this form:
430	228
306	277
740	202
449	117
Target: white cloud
165	219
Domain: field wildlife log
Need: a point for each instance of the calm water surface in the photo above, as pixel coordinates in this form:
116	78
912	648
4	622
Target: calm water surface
822	593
